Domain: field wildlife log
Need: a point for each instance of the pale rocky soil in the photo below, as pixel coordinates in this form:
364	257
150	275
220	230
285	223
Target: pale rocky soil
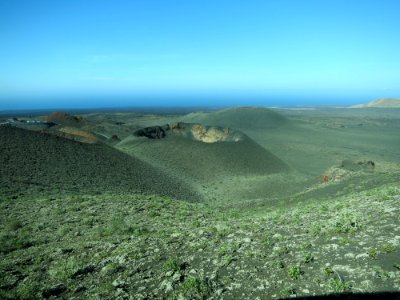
136	247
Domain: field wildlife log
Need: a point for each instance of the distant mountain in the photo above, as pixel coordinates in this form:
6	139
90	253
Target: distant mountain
381	103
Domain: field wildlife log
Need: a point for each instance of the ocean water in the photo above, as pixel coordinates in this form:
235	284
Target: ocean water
198	100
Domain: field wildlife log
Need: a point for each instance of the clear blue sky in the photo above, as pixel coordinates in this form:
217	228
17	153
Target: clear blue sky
103	52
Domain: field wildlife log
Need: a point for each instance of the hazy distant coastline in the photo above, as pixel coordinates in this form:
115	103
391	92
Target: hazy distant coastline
381	103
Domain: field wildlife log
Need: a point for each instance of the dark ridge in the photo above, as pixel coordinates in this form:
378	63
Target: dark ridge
38	162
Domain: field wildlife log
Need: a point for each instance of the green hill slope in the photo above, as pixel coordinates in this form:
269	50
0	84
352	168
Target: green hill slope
33	161
240	117
194	159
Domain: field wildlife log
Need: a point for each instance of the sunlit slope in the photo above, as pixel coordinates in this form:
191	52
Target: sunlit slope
205	161
381	103
33	161
240	117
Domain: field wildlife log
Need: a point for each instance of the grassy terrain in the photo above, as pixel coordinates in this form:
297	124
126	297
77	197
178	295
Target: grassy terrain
119	245
91	222
240	117
321	138
211	160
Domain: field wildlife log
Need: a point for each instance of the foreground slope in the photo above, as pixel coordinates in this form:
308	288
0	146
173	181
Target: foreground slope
35	162
117	246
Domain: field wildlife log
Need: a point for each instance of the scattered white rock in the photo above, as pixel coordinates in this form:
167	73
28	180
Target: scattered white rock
118	283
168	287
261	287
176	277
169	273
277	236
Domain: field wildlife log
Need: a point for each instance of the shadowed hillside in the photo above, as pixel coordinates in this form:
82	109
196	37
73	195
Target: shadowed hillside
33	161
240	117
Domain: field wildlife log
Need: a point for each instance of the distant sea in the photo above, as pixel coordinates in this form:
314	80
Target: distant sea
171	103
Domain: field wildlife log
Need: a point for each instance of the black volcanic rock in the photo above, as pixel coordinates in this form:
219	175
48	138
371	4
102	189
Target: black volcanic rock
153	132
357	166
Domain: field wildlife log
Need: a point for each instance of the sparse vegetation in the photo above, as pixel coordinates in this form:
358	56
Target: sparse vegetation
347	223
194	288
338	286
12	225
328	271
389	248
294	272
250	236
307	257
63	269
171	265
373	253
288	291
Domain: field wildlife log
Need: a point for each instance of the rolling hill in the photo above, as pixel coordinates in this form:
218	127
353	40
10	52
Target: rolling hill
34	161
65	119
77	221
198	152
239	118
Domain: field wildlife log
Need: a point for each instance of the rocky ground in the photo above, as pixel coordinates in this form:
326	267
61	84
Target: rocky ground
129	246
75	222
